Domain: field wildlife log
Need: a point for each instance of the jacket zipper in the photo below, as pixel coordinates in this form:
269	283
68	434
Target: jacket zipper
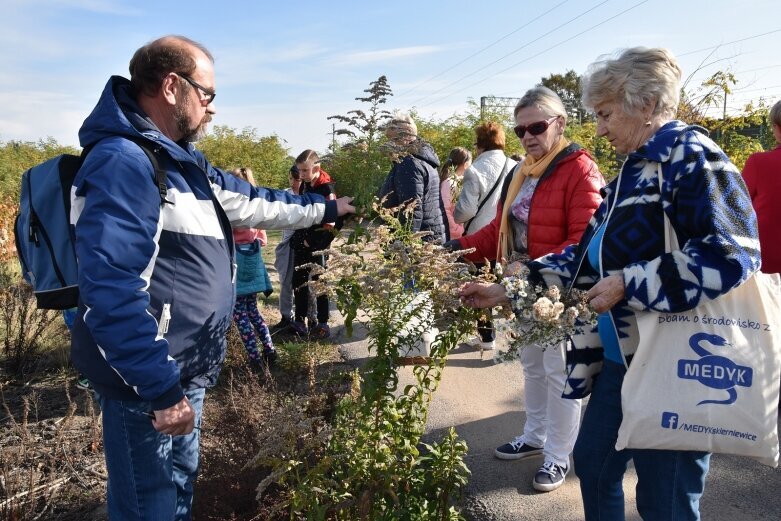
165	320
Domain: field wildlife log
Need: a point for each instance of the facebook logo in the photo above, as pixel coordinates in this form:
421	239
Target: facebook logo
670	420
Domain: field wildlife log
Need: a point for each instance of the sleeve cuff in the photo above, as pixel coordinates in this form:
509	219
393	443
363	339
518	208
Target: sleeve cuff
331	212
168	399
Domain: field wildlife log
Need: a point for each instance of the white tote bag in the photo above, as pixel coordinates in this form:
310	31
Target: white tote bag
708	379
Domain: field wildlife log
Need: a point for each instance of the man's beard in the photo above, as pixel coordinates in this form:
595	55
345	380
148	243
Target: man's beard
189	134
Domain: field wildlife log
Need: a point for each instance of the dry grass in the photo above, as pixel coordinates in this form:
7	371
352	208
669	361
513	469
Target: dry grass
51	450
51	459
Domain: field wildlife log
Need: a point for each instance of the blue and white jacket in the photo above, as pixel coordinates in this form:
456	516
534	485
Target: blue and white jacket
709	208
156	281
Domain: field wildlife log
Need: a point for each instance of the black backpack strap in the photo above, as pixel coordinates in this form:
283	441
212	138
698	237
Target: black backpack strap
152	151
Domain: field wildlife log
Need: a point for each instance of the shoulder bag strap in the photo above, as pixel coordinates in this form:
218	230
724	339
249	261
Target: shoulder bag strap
499	180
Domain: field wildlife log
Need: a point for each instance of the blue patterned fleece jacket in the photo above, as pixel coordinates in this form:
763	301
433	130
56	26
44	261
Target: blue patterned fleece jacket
710	210
156	280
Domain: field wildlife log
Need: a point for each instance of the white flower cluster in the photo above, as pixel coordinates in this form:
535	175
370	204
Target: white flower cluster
542	316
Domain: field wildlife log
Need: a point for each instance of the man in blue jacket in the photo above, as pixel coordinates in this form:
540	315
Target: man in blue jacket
155	276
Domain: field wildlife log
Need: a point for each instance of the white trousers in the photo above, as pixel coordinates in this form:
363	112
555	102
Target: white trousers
551	421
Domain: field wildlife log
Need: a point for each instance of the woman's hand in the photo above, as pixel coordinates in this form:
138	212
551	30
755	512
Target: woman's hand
606	293
514	269
483	295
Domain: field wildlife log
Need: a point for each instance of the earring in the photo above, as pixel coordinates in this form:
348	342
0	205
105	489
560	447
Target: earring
647	123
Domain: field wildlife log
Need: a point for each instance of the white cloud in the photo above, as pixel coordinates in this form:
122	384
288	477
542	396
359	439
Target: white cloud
97	6
39	114
367	57
260	64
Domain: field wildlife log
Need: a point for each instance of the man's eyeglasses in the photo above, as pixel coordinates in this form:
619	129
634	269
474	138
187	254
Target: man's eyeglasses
535	129
208	94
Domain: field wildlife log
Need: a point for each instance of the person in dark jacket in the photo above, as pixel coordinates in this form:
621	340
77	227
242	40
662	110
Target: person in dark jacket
415	177
305	242
155	279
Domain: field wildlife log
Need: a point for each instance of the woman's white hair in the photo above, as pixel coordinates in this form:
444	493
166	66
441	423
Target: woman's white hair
402	123
543	98
636	78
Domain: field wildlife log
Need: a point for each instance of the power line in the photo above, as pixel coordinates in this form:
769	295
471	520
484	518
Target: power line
729	43
759	69
482	50
757	89
510	53
541	52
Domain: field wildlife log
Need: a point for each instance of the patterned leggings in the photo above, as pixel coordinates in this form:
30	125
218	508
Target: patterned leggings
248	319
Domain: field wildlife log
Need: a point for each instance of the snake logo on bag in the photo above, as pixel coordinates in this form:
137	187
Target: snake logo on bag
714	371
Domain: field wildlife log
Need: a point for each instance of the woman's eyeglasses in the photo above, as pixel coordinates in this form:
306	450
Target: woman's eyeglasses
535	129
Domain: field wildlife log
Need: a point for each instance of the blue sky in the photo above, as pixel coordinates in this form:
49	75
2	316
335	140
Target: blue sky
283	67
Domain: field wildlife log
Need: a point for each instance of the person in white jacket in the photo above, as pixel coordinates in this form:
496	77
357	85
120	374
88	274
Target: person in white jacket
476	205
480	192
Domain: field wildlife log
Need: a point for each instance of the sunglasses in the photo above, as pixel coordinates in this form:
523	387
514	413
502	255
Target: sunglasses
535	129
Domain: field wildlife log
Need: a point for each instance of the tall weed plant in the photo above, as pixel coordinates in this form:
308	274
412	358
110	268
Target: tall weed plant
368	461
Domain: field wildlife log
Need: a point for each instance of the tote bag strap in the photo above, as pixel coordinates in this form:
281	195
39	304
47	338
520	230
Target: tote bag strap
670	237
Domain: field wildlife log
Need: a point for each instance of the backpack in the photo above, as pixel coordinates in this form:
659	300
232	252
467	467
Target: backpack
43	234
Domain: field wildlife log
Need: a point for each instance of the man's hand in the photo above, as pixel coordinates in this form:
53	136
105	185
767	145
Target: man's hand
606	293
483	295
344	206
176	420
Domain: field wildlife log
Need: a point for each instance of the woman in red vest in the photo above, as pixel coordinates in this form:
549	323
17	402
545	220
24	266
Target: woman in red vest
545	204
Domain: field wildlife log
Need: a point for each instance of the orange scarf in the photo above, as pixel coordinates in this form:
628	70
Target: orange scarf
529	167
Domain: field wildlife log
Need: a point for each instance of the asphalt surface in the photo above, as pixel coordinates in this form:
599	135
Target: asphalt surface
483	401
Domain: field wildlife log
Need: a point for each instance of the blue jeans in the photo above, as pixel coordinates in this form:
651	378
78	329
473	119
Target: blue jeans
669	482
150	475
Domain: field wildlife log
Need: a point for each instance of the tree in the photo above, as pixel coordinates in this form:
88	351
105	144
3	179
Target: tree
458	130
228	148
567	86
740	134
18	156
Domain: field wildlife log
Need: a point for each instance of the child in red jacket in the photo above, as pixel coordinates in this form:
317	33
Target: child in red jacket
307	241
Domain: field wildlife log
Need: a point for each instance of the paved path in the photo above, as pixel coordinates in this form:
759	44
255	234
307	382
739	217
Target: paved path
483	401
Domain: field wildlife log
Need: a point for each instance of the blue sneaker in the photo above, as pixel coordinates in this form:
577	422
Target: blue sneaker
549	477
516	449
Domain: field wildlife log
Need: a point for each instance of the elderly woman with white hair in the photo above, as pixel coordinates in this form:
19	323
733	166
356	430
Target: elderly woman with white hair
415	177
623	263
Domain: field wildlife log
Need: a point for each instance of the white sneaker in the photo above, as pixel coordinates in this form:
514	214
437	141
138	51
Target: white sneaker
477	343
